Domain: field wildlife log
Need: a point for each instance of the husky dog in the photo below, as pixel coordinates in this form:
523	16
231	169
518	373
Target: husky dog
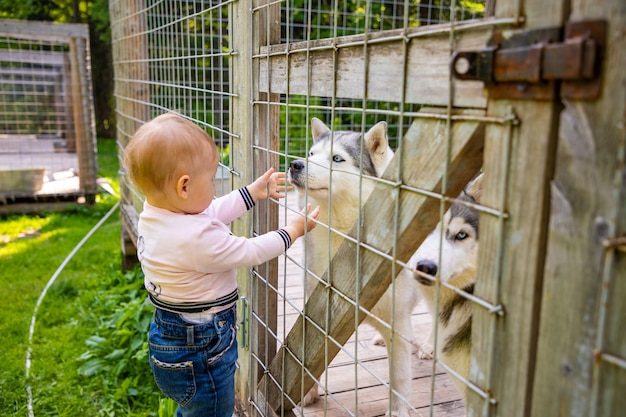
330	177
450	252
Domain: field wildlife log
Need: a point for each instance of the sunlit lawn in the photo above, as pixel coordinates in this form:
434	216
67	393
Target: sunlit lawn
31	249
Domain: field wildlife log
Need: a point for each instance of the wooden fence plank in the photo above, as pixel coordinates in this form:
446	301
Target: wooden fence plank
421	166
50	31
311	67
49	58
373	401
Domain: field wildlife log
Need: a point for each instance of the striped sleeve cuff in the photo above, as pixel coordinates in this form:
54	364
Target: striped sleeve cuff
286	238
247	197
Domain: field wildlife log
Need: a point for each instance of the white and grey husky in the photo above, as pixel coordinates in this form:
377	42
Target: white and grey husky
338	178
450	252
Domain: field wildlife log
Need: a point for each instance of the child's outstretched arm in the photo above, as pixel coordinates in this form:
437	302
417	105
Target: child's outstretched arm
271	184
306	221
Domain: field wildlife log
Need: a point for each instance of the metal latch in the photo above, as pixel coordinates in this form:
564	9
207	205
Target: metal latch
529	63
244	324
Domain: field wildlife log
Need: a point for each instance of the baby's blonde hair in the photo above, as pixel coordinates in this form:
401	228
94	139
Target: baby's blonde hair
163	149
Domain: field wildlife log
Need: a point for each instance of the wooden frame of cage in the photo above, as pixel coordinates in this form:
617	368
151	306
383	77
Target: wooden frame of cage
79	106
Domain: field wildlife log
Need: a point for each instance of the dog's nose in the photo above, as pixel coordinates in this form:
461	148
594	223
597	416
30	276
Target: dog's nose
297	165
427	267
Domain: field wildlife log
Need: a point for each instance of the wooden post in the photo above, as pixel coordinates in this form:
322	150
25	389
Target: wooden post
422	167
73	142
84	139
503	361
241	159
578	327
68	92
267	137
130	51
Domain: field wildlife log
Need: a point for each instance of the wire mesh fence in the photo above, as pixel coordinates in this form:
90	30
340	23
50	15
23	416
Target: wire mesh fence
304	87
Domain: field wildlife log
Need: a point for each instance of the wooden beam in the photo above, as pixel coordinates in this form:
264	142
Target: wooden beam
36	30
48	58
420	166
317	67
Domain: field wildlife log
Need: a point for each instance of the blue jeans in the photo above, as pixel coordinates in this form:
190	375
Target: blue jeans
194	364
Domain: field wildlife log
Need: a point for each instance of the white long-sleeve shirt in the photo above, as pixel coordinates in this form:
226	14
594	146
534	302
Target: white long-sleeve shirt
190	260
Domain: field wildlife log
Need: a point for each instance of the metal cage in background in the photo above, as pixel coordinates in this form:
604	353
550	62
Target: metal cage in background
47	124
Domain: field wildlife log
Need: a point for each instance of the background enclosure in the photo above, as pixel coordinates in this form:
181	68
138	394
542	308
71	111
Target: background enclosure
47	125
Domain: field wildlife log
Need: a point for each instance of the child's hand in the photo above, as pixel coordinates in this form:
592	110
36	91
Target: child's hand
310	217
307	221
271	184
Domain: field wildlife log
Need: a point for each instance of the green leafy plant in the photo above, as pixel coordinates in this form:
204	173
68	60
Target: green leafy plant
117	352
167	408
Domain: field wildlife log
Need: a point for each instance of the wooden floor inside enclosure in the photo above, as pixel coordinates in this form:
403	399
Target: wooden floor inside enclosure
353	389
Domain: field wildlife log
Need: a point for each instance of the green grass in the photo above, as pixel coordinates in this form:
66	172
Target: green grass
92	314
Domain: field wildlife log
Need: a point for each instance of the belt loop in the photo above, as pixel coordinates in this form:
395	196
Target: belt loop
190	335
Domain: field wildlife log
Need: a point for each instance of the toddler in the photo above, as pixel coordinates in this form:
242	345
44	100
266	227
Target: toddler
189	259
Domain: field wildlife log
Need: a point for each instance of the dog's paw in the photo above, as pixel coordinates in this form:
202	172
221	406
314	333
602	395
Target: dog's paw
311	397
426	351
378	340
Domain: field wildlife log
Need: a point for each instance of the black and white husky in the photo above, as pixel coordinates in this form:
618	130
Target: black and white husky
450	253
335	177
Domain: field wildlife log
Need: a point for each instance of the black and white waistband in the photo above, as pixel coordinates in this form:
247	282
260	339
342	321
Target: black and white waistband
194	307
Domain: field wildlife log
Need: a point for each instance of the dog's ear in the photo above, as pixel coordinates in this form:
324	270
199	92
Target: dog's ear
378	147
376	138
475	188
318	128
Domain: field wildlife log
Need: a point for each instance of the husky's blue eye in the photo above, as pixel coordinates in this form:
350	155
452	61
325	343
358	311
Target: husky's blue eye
460	236
338	158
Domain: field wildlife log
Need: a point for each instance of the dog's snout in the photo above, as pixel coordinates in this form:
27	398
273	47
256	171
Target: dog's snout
427	267
297	165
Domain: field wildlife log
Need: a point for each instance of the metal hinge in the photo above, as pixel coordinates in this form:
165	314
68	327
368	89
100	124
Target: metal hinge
530	64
